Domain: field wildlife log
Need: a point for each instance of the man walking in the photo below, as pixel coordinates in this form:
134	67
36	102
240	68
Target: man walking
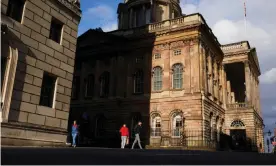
137	131
124	136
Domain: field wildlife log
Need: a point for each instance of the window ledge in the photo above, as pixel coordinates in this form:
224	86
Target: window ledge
155	136
177	89
136	93
176	136
88	97
157	91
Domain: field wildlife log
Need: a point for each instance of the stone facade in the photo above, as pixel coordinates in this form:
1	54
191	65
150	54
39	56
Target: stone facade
37	60
173	75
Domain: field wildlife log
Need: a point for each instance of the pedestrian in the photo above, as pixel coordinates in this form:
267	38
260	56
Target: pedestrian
137	131
74	132
124	136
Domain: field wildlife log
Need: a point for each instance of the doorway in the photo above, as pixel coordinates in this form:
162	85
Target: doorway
238	137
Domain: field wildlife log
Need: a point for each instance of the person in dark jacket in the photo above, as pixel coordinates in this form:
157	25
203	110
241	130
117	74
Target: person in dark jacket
74	132
137	131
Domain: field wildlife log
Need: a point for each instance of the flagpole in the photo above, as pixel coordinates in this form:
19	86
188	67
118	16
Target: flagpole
245	20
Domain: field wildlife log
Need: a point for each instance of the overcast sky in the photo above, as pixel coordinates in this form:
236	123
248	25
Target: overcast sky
226	18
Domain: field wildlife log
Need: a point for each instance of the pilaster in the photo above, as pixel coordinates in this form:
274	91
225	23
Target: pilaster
247	81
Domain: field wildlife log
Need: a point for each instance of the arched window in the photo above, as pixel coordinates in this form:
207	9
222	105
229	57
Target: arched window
138	81
157	79
237	123
177	76
177	124
99	125
104	84
155	125
89	85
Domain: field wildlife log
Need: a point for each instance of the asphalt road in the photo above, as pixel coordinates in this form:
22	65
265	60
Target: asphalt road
104	156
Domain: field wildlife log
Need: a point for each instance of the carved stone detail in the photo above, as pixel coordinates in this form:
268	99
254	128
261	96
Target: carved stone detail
161	47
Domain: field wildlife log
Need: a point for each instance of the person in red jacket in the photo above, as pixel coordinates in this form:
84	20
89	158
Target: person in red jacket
124	136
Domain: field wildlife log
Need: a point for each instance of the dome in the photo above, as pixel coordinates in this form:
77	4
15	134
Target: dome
136	13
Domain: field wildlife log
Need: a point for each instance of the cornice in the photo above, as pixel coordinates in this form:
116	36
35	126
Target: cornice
176	44
73	5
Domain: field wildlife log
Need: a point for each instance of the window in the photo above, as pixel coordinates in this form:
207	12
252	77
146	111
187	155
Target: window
15	9
177	124
148	16
176	52
139	18
157	56
75	87
157	79
237	123
177	76
104	84
55	31
89	86
139	59
156	125
47	90
138	81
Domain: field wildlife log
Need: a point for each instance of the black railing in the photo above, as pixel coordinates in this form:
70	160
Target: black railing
185	138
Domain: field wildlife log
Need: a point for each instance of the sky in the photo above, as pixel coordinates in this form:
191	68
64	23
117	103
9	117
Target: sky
226	18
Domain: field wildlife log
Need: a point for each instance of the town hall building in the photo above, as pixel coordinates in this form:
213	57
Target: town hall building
168	70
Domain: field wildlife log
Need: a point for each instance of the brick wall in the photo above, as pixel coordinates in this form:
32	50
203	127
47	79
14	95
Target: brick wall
37	54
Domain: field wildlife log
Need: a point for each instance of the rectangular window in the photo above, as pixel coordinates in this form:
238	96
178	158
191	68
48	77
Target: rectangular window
55	31
139	59
47	90
75	87
157	56
176	52
148	16
89	86
15	9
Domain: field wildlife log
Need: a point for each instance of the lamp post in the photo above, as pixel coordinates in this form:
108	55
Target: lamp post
268	140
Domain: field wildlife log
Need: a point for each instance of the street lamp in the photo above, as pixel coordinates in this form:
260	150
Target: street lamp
267	140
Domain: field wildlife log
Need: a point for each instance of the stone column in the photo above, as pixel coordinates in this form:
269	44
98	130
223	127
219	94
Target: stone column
228	92
134	18
210	75
202	67
224	86
131	18
247	81
205	71
215	80
144	15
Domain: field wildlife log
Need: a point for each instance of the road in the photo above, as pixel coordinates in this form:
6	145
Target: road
105	156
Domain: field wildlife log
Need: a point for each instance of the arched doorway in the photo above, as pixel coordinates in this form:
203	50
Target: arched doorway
238	135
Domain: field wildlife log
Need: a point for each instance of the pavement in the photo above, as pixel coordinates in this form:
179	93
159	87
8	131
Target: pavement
107	156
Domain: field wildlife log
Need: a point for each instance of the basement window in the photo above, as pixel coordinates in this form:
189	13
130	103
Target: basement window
55	31
176	52
47	90
157	56
15	9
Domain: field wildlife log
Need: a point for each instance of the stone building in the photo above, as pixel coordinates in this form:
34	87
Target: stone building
170	71
38	44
